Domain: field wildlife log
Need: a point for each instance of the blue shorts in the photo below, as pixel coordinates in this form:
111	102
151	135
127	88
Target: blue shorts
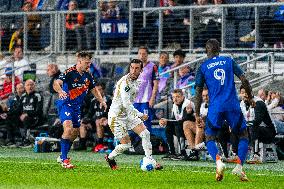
215	121
69	112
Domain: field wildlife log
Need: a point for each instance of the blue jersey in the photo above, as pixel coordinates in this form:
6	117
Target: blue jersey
76	85
218	75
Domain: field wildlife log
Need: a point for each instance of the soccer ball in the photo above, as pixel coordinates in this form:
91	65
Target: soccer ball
147	164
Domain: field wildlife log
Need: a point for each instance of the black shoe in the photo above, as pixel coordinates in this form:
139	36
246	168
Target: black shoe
193	156
168	156
158	167
111	163
179	157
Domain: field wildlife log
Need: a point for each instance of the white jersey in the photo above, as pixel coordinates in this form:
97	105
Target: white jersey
123	98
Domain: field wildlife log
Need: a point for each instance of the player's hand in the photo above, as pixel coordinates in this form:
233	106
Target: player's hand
62	95
151	102
188	108
163	122
103	105
144	117
198	121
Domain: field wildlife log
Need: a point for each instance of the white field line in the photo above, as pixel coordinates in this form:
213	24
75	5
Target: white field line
124	167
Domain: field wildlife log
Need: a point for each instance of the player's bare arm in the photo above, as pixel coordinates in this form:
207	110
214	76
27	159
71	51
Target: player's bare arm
198	101
98	95
154	93
57	87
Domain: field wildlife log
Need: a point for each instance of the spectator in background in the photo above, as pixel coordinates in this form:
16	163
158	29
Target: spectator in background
270	30
179	57
7	85
195	134
16	40
146	95
96	120
163	82
13	114
62	5
113	11
34	22
187	77
53	72
175	125
75	23
272	100
20	64
31	111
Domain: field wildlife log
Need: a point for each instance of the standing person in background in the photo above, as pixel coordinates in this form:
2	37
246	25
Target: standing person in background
217	72
72	87
148	88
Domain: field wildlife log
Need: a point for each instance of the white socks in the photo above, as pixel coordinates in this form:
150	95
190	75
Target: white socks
119	149
146	143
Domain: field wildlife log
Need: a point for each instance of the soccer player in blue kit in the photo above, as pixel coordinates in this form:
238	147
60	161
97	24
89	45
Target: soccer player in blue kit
217	72
72	87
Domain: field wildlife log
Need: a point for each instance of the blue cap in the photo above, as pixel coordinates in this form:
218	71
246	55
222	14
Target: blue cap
8	71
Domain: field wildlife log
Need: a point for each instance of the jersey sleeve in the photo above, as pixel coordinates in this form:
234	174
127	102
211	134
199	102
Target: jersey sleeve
237	69
126	102
199	78
92	82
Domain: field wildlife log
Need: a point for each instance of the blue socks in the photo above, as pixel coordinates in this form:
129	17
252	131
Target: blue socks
242	150
212	148
65	147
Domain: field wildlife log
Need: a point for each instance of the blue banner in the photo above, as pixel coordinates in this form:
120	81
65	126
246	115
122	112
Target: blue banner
112	28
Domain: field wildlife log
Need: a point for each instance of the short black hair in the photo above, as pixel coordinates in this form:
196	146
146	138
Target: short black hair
136	61
212	47
179	52
179	91
242	87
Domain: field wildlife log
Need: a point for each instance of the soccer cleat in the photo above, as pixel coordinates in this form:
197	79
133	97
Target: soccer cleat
158	167
111	163
67	164
99	148
220	169
238	171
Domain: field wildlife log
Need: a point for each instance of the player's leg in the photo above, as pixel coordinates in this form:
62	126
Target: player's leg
211	131
142	131
119	129
238	127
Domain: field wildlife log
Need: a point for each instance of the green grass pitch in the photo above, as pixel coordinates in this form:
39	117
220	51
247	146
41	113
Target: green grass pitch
22	168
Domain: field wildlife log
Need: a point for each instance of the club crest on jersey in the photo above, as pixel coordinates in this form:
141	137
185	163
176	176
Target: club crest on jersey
127	88
76	80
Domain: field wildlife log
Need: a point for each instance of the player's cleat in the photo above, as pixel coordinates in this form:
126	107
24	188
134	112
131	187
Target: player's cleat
99	148
220	169
158	167
111	163
67	164
238	171
60	160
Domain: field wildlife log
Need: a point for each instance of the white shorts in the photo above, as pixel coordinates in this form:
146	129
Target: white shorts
120	125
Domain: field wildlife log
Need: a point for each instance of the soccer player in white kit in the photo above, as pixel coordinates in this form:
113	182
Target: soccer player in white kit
123	116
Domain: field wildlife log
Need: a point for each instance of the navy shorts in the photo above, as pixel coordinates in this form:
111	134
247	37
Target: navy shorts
215	121
70	112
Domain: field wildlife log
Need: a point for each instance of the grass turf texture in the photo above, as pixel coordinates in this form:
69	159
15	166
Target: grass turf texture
22	168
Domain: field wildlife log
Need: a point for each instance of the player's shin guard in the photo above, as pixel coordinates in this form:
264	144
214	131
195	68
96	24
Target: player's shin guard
146	143
65	147
212	148
242	150
119	149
